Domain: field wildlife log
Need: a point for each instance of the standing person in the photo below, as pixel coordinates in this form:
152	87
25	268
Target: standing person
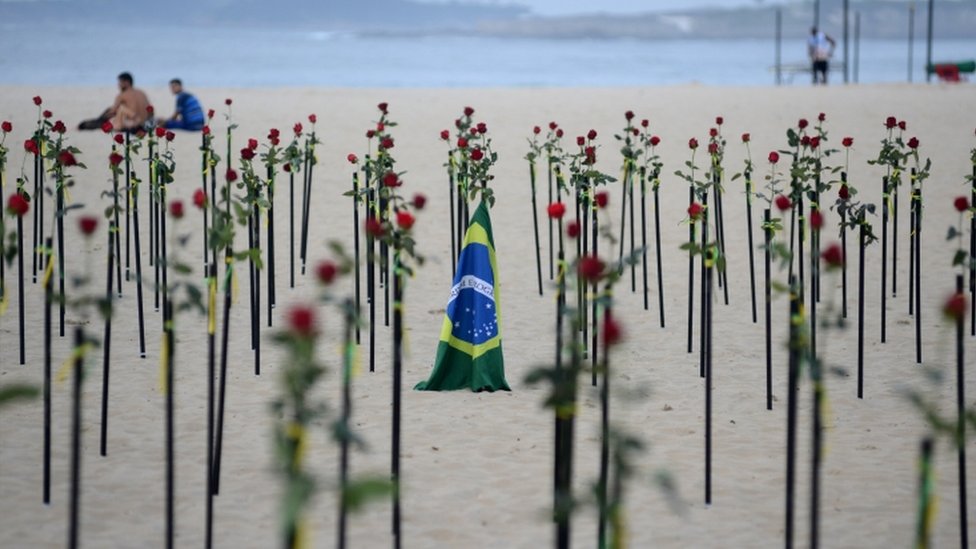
130	111
820	47
189	113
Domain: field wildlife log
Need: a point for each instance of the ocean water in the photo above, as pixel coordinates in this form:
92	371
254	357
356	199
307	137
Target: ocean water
67	54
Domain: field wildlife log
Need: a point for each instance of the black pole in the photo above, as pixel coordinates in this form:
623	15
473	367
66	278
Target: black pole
291	229
918	274
397	375
355	231
596	299
211	372
791	410
860	305
691	270
884	256
633	265
256	326
551	222
170	423
723	276
535	226
928	42
107	343
371	278
560	489
604	444
128	202
75	509
972	265
643	196
347	367
115	229
657	238
708	380
272	298
20	286
961	422
48	301
454	221
768	235
205	167
61	301
37	225
222	387
703	321
843	247
139	279
752	252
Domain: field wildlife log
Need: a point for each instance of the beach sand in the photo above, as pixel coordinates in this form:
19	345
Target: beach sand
477	468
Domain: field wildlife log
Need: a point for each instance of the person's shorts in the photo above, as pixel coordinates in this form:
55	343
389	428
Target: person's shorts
191	125
820	66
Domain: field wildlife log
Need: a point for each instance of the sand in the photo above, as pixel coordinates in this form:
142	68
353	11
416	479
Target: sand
477	467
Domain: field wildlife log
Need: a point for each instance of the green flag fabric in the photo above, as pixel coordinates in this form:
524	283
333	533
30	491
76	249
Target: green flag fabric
469	355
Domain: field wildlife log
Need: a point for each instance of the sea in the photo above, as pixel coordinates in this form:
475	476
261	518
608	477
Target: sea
69	54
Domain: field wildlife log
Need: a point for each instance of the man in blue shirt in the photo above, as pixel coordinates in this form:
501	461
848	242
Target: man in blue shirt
189	113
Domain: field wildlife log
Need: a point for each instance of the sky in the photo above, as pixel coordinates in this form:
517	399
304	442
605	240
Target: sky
572	7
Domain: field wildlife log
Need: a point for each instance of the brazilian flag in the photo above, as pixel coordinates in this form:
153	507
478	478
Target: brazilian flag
469	355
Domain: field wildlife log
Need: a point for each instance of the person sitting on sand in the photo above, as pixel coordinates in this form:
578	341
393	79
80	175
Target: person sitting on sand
189	113
130	111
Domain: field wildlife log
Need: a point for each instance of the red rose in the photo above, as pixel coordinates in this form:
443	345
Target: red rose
803	123
913	143
655	140
274	140
107	126
695	210
719	120
387	143
473	130
170	136
297	128
7	127
230	175
59	127
844	193
228	101
301	320
119	139
591	268
468	111
636	132
65	158
419	201
140	133
553	125
645	122
833	256
370	134
115	159
629	115
374	227
902	126
572	229
445	135
814	142
31	146
712	132
746	137
482	127
847	141
821	117
87	224
457	123
613	332
783	203
955	307
462	143
713	148
150	110
590	153
47	114
692	143
326	272
405	220
580	140
17	205
380	126
176	209
287	168
273	133
390	179
205	130
559	133
160	131
477	154
591	135
602	198
210	114
891	122
961	203
352	158
382	107
556	210
312	118
200	198
805	141
773	157
816	219
247	153
37	100
252	144
536	130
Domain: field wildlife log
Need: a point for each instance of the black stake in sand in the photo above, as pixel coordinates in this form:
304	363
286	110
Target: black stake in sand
222	388
917	266
107	342
791	408
211	372
75	505
768	235
535	226
170	424
843	247
657	243
397	380
884	255
139	279
860	305
48	300
752	259
708	380
643	195
20	286
272	298
961	422
691	269
356	253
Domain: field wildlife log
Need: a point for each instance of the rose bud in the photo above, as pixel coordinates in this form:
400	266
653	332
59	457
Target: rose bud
176	209
352	158
445	135
821	117
802	123
17	205
380	126
636	132
140	133
891	122
591	268
390	179
200	198
160	131
301	320
556	210
312	118
695	211
580	140
47	114
462	143
230	175
591	135
572	229
247	153
773	157
374	227
287	167
844	193
7	127
847	141
382	107
814	142
902	126
37	100
537	130
107	126
150	110
955	307
746	137
559	133
87	224
326	272
65	158
816	219
370	134
31	146
228	101
961	203
170	136
613	332
482	127
115	159
468	111
783	203
645	122
477	154
713	148
119	139
297	128
719	120
629	115
833	256
553	125
805	141
252	144
59	127
655	140
712	132
913	143
405	220
601	198
419	201
387	143
692	143
590	153
210	113
457	123
273	133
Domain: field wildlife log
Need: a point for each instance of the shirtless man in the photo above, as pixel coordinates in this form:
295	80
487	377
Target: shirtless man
130	108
